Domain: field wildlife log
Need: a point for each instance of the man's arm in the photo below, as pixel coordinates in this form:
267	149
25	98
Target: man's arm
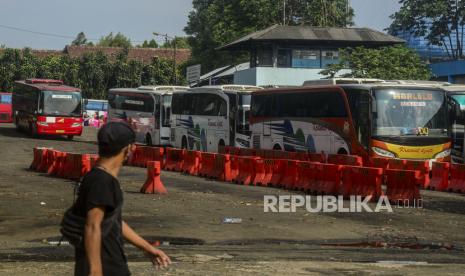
157	256
93	240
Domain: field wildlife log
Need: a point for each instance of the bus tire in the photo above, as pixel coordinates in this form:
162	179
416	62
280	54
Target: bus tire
32	130
277	147
184	143
148	140
342	151
221	143
18	127
70	137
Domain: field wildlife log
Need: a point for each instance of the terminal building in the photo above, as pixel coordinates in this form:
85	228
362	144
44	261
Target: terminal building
289	55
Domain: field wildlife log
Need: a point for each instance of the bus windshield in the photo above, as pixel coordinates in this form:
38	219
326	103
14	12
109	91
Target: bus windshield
5	99
402	112
59	103
243	114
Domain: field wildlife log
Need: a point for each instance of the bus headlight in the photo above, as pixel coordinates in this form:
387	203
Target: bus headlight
383	152
443	154
42	123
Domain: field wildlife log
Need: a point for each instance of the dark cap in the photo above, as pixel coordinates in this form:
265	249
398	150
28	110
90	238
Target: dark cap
114	136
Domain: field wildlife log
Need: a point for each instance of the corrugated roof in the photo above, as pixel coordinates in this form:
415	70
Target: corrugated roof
315	34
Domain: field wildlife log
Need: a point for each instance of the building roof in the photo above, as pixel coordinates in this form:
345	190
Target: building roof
314	35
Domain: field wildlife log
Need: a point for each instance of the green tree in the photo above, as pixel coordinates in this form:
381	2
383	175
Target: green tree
390	63
441	22
213	23
181	43
81	40
148	44
118	40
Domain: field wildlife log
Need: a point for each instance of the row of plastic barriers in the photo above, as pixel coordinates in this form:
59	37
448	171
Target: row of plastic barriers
62	164
315	173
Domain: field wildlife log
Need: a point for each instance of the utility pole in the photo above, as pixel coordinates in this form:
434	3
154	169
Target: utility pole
173	39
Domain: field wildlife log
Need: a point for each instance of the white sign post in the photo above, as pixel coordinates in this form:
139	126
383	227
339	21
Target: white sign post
193	73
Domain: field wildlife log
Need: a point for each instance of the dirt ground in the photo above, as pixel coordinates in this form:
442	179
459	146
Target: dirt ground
188	222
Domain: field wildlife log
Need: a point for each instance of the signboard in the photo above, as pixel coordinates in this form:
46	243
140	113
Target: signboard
193	73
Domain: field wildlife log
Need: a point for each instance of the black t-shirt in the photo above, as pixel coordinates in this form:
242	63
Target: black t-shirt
99	188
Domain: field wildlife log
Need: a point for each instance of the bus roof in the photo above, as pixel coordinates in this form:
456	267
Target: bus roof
335	81
226	88
454	88
5	93
47	84
162	88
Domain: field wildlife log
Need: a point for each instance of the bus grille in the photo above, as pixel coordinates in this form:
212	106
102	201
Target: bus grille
256	141
4	116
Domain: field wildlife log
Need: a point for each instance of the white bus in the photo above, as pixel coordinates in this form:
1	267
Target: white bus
207	117
146	109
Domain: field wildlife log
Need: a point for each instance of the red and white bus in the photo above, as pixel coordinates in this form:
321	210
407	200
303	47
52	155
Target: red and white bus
5	108
42	106
385	120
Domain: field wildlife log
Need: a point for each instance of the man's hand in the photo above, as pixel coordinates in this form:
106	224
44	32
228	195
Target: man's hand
158	258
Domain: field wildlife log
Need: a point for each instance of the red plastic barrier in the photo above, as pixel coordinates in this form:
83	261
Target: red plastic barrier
362	181
39	155
140	156
55	163
457	178
267	172
301	156
207	164
81	166
397	164
66	165
306	171
222	168
157	154
246	173
317	157
329	179
153	184
265	154
60	163
379	162
343	159
424	169
234	166
45	161
402	186
440	176
191	162
290	174
247	152
93	160
174	159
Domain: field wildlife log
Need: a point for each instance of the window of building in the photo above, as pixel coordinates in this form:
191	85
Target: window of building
306	58
264	56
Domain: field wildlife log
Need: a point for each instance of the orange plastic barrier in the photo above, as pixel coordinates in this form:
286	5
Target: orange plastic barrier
281	154
379	162
316	157
191	162
39	155
424	169
440	176
402	186
93	159
222	149
45	161
265	154
343	159
306	171
174	159
397	164
80	165
234	166
222	168
267	172
246	173
157	154
457	178
328	178
153	184
140	156
290	173
207	164
60	163
362	181
247	152
55	164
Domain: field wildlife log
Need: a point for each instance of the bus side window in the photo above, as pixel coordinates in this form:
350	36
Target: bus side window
359	102
156	111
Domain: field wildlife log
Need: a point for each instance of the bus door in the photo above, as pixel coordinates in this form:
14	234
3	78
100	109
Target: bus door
156	127
232	117
458	127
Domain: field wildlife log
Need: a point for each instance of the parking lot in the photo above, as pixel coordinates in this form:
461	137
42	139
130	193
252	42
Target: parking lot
188	223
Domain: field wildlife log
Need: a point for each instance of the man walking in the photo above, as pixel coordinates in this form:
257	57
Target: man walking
100	200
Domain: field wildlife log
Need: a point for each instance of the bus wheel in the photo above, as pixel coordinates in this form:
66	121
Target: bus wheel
221	143
32	130
70	137
277	147
184	143
342	151
148	140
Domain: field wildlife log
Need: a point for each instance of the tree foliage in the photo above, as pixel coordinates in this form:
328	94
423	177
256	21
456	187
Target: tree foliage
81	40
404	64
149	44
94	73
213	23
181	43
441	22
118	40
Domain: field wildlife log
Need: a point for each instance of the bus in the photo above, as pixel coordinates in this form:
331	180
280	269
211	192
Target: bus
370	120
208	117
5	108
334	81
457	93
47	107
146	109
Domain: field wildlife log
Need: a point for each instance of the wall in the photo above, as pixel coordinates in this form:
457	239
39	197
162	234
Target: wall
262	76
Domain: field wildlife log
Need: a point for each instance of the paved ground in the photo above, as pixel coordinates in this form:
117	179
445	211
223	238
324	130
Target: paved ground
188	221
